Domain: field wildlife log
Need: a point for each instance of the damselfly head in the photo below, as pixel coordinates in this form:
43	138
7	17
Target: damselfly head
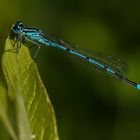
18	27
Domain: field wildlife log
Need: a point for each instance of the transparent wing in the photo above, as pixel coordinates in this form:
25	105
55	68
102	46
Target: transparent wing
116	64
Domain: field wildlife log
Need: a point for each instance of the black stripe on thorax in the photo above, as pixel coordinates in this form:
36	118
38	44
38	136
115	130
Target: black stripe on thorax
26	30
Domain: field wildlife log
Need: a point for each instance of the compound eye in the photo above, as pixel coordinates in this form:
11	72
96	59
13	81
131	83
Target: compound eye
20	26
15	27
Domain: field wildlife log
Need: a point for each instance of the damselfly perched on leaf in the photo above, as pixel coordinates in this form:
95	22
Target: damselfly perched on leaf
110	65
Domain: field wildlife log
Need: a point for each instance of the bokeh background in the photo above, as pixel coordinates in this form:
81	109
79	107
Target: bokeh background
88	105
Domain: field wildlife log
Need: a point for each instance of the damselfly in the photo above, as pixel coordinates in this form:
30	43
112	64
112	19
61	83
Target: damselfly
110	65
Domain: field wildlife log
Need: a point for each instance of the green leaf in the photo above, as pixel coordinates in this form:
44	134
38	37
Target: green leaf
35	114
4	113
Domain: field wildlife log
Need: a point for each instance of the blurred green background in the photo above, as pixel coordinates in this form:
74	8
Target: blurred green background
88	105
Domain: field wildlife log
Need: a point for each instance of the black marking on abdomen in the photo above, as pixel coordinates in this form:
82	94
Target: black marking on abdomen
68	50
117	75
130	82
